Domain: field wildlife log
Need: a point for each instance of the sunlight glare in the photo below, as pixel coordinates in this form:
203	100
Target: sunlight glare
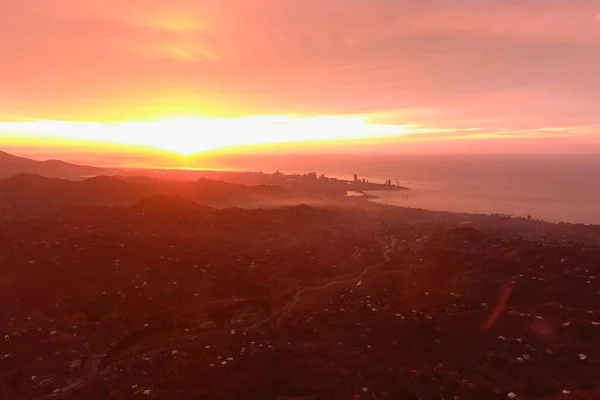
187	136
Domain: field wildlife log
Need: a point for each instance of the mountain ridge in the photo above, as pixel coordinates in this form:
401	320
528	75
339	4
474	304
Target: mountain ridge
11	164
34	190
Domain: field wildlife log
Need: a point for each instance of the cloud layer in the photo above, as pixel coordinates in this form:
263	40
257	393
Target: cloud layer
519	65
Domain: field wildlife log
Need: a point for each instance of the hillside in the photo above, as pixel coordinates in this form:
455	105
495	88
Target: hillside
117	287
209	191
12	165
168	299
39	193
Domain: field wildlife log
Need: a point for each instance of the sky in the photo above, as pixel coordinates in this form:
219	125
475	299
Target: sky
193	76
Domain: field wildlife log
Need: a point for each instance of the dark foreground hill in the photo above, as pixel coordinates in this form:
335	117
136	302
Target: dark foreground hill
167	299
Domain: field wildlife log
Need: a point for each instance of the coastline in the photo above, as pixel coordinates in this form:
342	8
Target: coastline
376	200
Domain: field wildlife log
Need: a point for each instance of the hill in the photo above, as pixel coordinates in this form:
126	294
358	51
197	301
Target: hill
11	165
210	191
37	191
42	193
165	298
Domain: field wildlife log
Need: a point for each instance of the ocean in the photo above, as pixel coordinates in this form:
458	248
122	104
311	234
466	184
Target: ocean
555	188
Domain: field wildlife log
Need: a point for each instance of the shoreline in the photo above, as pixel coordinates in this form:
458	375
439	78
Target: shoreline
430	202
369	200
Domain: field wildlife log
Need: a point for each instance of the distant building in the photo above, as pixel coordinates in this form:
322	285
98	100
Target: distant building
355	178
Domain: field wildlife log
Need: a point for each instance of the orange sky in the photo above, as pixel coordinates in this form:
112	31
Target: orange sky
403	75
